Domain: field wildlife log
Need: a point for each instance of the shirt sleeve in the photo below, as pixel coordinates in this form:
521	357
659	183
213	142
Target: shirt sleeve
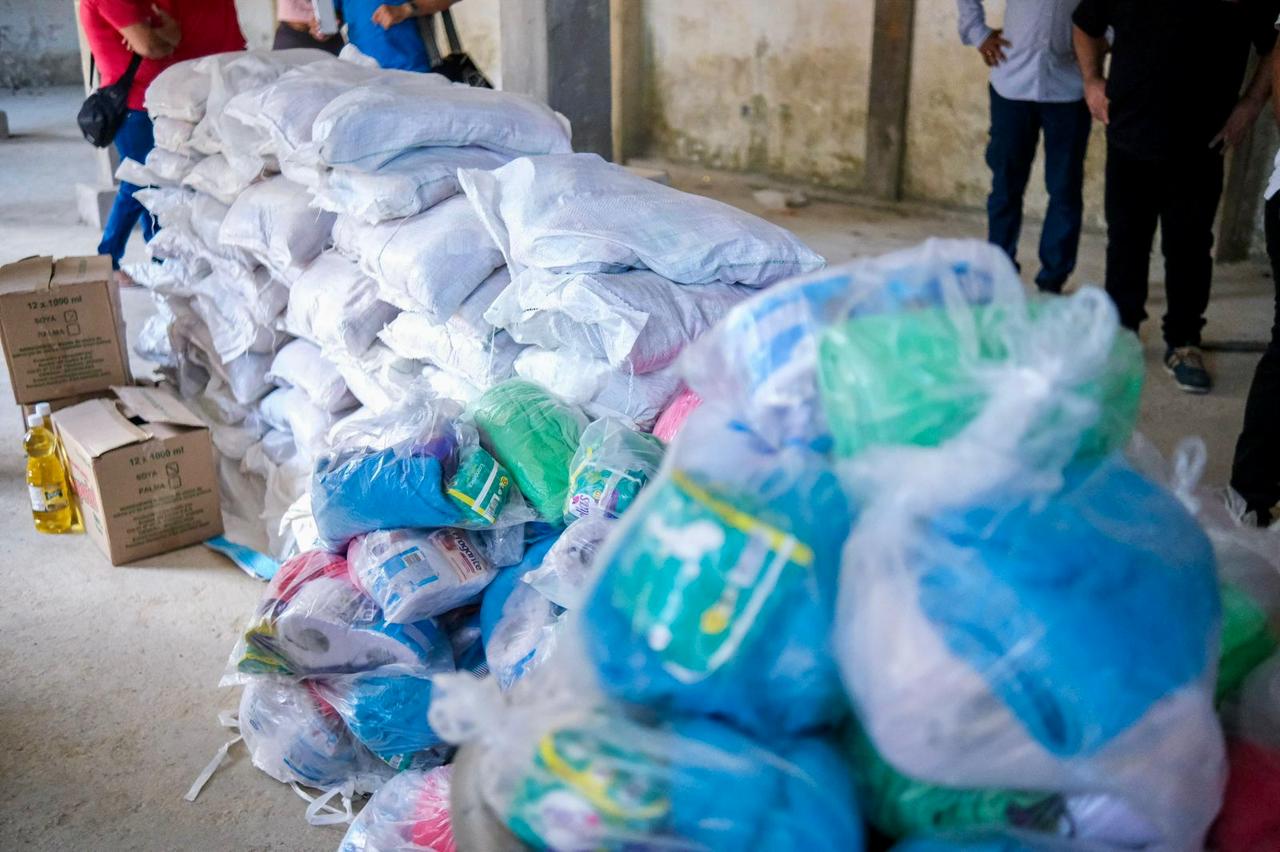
123	13
972	22
1093	16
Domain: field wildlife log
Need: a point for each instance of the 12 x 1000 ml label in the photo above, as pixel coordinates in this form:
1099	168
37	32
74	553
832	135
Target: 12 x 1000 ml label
53	302
156	455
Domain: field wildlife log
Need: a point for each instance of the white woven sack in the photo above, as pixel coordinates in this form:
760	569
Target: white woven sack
416	180
273	220
335	306
373	124
578	213
300	364
638	321
427	263
466	344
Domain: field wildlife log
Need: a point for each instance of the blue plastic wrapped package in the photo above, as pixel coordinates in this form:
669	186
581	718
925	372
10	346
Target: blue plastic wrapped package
565	772
392	470
419	574
409	814
716	594
1046	639
315	621
360	491
386	710
295	737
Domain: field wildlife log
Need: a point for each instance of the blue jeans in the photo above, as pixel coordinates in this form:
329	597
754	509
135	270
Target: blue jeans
134	141
1015	135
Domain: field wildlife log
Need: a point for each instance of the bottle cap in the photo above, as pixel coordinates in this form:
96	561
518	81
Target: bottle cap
43	409
34	420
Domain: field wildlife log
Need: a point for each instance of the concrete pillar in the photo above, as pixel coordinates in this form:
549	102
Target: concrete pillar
558	52
630	98
889	89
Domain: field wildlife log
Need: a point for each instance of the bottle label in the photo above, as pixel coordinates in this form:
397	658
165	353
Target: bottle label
47	499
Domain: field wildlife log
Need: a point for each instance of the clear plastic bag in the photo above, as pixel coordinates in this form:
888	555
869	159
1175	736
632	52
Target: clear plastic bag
411	813
394	470
562	770
386	710
1019	609
612	463
419	574
314	621
295	737
565	575
517	624
534	436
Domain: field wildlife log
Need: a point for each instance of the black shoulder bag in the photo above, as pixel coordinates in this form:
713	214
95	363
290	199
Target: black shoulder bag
458	66
103	112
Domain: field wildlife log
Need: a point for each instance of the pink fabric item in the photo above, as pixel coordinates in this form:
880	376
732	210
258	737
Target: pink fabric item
674	415
295	11
432	827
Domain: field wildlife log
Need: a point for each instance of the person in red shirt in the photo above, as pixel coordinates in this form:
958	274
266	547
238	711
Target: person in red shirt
208	27
117	30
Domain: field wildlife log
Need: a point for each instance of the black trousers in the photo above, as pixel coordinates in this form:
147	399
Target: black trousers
1256	471
1181	196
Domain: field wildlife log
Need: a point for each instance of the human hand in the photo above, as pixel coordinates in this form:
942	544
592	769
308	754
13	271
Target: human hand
1238	124
389	14
168	29
1095	95
992	48
314	29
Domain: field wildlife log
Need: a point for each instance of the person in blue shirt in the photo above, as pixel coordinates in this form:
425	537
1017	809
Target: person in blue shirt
1036	87
388	32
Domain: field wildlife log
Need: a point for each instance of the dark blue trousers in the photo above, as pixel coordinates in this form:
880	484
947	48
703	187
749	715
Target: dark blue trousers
1015	135
134	141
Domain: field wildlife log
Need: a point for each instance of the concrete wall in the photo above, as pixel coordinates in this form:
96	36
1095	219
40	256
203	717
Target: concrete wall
38	45
948	117
759	85
781	88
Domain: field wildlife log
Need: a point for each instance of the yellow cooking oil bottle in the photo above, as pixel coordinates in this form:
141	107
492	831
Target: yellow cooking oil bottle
46	479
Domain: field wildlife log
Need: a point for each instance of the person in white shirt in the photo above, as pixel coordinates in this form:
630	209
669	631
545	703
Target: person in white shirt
1035	88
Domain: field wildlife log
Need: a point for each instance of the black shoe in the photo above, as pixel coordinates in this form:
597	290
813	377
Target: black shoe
1186	365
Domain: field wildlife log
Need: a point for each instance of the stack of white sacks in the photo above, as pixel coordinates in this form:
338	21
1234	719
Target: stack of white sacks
337	237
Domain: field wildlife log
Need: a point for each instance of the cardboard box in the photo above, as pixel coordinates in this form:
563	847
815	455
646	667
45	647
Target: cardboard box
62	328
142	467
58	404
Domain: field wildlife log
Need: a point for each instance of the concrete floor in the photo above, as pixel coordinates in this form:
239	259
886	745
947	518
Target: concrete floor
109	695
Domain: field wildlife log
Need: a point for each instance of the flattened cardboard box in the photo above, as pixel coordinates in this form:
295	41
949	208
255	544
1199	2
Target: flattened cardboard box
62	327
142	466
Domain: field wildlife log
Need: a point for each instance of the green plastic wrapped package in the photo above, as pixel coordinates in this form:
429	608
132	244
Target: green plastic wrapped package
919	377
480	487
612	464
534	435
901	806
1247	640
